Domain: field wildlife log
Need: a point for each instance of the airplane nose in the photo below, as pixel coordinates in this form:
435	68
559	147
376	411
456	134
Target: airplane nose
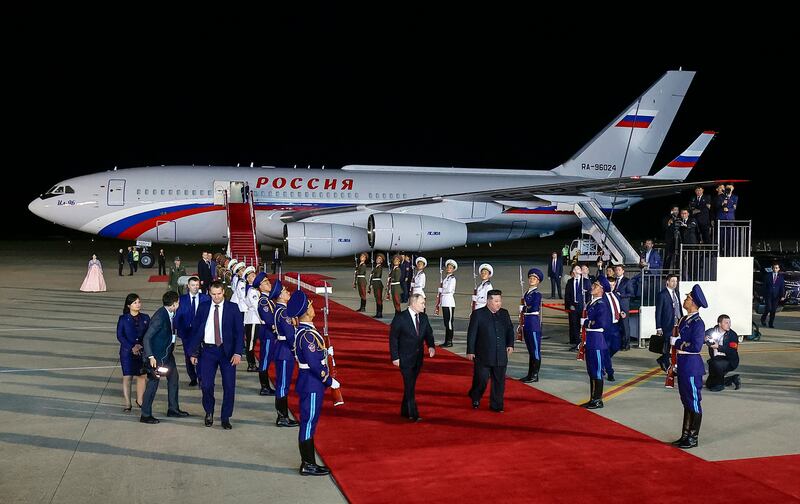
36	207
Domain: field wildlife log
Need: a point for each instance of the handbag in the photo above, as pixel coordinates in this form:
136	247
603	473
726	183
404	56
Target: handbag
656	344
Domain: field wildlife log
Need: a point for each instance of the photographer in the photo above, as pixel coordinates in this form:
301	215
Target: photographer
672	237
726	204
723	345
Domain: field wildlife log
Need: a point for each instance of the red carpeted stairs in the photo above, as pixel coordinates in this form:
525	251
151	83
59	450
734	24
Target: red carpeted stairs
541	449
241	237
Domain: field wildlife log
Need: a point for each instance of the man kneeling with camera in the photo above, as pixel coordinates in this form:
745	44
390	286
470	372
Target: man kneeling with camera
723	348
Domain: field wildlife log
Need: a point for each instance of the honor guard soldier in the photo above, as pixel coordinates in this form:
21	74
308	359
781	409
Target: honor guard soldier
360	280
612	334
376	284
241	287
598	320
284	359
268	292
313	377
252	320
532	328
405	282
486	271
395	284
418	283
448	301
691	368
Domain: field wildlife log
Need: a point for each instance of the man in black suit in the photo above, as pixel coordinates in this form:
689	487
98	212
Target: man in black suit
668	312
490	340
554	271
774	294
204	272
577	291
409	330
159	342
700	208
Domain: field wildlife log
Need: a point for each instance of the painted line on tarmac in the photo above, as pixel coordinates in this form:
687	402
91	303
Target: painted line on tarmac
55	328
772	351
629	384
55	369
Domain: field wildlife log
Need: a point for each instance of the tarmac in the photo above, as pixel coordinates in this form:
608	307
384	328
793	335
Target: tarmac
65	438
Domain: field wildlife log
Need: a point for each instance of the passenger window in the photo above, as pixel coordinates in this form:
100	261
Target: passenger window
162	192
138	192
384	195
170	192
194	192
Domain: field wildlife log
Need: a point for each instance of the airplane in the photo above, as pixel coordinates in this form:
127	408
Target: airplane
335	213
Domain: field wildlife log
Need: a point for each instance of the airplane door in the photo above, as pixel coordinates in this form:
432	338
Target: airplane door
116	192
165	231
220	186
517	230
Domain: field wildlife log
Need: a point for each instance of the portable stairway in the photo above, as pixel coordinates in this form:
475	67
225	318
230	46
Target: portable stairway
595	223
242	243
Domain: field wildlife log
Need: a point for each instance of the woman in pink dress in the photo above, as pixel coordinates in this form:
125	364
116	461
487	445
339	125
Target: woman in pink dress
94	281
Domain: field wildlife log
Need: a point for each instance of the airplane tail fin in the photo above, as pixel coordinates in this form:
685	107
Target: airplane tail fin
644	124
679	168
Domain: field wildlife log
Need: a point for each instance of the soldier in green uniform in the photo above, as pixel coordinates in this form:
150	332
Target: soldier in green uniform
395	289
360	280
376	284
175	272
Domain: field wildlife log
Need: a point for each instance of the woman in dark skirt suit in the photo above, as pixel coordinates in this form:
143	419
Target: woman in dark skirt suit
130	328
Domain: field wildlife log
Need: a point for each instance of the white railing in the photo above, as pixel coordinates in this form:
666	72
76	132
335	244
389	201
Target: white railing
734	238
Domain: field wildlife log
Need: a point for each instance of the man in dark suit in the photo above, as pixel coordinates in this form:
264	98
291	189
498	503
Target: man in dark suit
554	271
625	291
700	209
576	294
217	342
189	303
668	312
774	293
409	331
204	272
490	340
159	342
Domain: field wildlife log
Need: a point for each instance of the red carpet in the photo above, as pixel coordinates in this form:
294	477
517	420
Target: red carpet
782	473
542	449
158	278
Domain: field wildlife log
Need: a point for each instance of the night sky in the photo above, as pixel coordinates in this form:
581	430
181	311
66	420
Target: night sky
495	92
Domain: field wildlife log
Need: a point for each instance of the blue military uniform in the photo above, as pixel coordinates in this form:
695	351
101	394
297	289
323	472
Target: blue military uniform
532	327
690	369
312	380
612	334
598	321
284	365
267	307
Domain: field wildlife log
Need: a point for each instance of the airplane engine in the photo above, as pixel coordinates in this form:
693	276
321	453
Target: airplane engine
313	239
392	231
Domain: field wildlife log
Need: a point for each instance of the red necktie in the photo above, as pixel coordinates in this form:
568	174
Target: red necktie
217	335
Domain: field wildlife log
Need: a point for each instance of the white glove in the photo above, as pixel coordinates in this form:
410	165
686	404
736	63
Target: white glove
330	350
335	383
673	339
583	321
475	299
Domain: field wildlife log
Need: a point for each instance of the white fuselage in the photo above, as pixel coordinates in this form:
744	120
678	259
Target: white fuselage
179	204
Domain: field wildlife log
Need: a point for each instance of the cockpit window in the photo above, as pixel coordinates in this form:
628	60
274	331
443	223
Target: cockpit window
69	190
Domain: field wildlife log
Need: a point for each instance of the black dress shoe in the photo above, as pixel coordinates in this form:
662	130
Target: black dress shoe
737	382
148	419
526	379
611	377
595	404
496	410
193	383
226	425
177	413
475	404
283	421
415	419
209	421
307	469
573	348
266	391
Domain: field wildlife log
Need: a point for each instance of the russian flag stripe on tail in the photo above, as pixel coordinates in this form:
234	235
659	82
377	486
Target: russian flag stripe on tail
640	119
679	168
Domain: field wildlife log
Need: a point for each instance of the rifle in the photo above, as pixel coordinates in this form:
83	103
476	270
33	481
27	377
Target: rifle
474	287
521	306
669	382
355	271
338	400
439	294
